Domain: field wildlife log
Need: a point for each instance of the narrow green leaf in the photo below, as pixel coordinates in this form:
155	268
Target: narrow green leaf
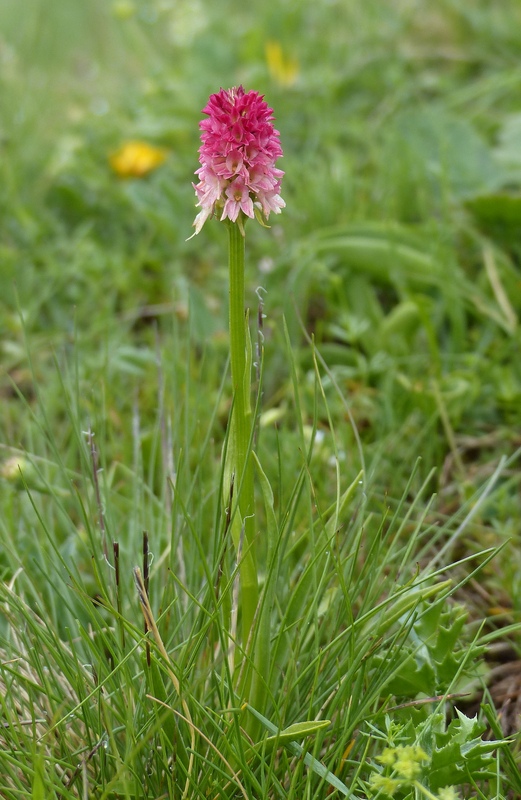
157	689
316	766
298	731
38	792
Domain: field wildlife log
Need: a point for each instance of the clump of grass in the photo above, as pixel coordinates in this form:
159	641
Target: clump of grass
352	600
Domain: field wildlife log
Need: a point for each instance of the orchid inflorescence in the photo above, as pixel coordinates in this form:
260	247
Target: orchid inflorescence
238	153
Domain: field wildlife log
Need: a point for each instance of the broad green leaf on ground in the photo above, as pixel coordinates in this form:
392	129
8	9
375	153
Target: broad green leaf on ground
499	217
445	151
508	150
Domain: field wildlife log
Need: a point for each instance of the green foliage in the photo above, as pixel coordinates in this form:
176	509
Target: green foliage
389	388
437	654
460	752
499	216
434	756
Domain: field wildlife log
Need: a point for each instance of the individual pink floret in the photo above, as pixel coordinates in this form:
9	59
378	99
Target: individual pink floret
237	199
239	148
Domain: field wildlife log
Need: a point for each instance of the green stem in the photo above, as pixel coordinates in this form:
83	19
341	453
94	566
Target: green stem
240	457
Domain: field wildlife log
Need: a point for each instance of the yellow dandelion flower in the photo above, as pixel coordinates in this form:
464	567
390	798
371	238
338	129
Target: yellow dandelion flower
136	159
283	68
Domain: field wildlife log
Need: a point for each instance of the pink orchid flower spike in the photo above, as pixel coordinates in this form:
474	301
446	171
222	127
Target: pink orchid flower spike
238	153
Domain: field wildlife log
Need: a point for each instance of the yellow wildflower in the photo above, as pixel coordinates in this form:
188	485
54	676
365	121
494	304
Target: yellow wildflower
387	757
11	469
448	793
123	9
282	68
406	761
21	474
136	159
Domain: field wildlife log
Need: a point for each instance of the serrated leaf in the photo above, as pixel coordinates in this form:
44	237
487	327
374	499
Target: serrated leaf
450	766
460	752
465	728
448	637
412	679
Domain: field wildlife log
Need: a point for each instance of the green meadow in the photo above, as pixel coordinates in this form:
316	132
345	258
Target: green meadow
384	315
